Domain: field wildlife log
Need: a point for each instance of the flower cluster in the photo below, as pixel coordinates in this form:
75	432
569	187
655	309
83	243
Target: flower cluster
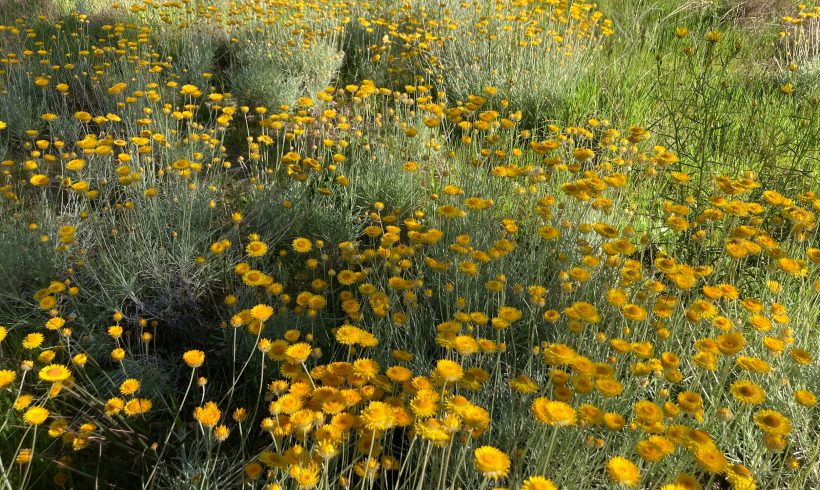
390	279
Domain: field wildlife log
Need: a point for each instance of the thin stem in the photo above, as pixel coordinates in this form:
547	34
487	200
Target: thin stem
404	463
424	466
550	447
30	459
170	431
369	456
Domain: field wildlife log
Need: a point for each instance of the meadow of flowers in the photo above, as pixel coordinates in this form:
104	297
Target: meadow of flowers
417	244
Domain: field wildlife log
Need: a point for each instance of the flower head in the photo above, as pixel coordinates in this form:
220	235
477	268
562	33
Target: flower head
261	312
553	413
623	471
298	353
194	358
379	416
256	248
208	415
55	373
35	415
302	245
491	462
773	422
33	340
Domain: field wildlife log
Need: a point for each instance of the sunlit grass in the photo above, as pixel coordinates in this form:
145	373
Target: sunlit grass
530	245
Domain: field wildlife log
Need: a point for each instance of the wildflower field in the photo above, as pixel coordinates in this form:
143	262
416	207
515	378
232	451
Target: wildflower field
413	245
